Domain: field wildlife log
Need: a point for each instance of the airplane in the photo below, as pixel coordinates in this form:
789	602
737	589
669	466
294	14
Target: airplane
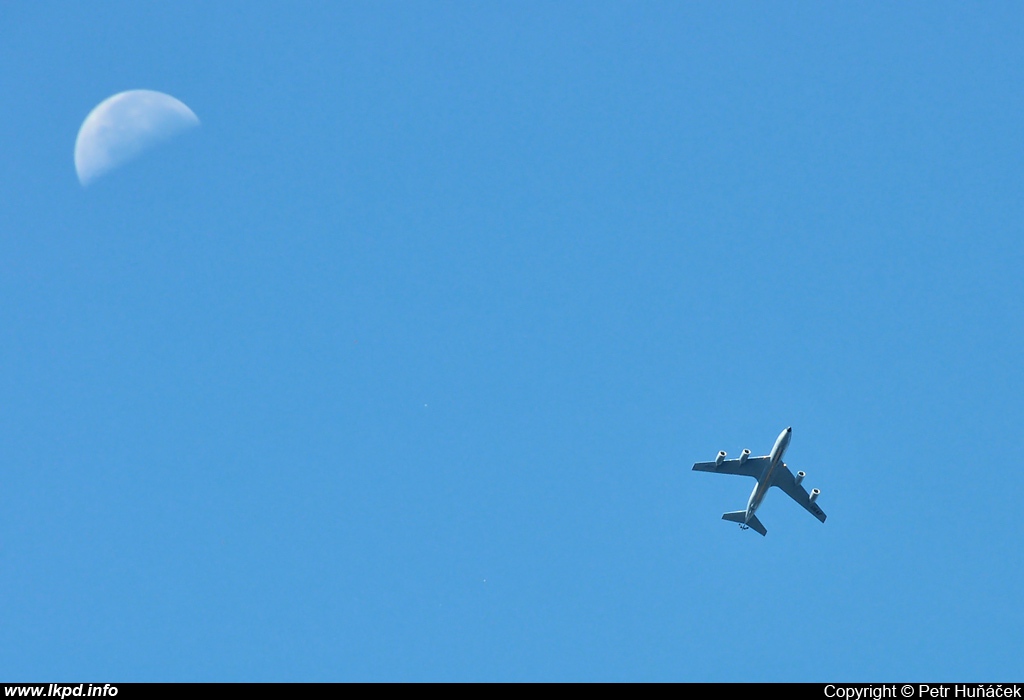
769	471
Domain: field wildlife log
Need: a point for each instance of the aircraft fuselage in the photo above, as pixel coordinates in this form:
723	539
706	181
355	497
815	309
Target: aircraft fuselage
764	481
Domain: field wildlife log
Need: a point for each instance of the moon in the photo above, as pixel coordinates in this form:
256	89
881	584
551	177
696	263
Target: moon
124	126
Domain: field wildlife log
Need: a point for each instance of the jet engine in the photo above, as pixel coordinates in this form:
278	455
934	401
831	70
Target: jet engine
744	455
719	459
814	495
799	477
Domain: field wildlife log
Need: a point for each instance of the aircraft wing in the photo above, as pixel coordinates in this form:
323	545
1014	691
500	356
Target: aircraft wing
784	479
752	466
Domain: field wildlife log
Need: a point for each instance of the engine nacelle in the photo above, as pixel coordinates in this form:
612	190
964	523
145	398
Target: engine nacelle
799	477
719	459
814	495
744	455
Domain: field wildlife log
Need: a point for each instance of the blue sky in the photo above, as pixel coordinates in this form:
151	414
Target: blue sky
396	368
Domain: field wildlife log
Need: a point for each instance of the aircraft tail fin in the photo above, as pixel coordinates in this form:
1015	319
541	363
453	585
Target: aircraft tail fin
740	516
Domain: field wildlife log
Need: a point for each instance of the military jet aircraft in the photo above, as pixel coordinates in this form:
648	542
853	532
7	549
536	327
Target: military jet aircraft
769	471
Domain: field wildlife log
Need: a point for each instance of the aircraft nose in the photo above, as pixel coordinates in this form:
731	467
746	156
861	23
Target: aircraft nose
789	429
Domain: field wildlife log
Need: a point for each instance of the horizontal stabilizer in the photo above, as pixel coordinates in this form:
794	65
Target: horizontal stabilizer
740	516
756	525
